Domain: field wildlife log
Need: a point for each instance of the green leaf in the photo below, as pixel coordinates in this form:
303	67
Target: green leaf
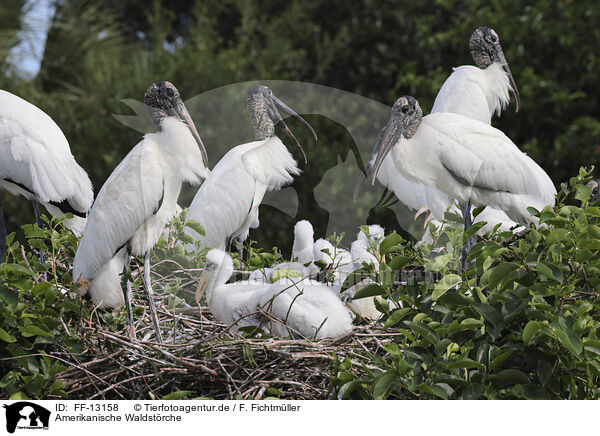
447	282
530	330
509	377
196	226
569	340
489	313
6	337
427	333
369	291
435	390
544	371
396	316
177	395
383	385
390	241
500	272
398	262
32	330
473	391
533	392
583	193
463	362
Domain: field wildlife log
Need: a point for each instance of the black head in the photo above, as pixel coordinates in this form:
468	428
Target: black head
262	106
163	100
405	118
486	50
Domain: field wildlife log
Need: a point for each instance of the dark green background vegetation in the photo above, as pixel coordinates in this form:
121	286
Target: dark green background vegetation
99	52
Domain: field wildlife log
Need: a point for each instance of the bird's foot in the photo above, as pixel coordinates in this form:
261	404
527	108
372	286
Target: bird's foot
428	217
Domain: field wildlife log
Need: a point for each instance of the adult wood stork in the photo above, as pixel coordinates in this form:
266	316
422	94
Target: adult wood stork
478	91
138	200
295	307
464	158
227	202
36	162
475	92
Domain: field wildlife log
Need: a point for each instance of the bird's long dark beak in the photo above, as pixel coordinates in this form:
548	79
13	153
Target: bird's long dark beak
513	85
384	144
293	113
184	115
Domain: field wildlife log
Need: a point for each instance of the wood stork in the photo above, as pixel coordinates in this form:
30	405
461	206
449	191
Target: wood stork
36	162
464	158
478	91
303	246
595	186
297	307
227	202
138	200
475	92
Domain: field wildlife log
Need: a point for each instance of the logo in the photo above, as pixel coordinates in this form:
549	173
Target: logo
26	415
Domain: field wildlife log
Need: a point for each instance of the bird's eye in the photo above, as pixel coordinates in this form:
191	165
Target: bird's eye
170	92
493	38
404	109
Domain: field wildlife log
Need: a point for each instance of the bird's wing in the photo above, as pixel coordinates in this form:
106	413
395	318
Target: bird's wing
412	194
132	193
480	156
226	199
35	154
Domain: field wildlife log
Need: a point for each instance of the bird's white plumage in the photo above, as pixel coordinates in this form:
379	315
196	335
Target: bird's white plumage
34	153
302	249
308	307
137	201
474	92
227	202
470	160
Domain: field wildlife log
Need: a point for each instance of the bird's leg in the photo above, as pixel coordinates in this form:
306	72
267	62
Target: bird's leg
40	224
150	296
427	217
466	212
2	235
126	287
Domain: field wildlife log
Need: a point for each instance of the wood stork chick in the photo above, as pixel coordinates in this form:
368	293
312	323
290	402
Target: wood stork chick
227	202
464	158
36	162
308	308
138	200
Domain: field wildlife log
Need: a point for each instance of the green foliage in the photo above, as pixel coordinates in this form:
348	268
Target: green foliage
521	322
37	316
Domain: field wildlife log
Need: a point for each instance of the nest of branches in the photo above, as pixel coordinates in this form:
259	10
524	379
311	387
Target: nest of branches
210	360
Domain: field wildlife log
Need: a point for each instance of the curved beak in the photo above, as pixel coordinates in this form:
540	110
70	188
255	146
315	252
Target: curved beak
201	287
386	141
184	115
513	85
293	113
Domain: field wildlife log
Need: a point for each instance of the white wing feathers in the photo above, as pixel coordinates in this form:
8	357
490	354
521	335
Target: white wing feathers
132	193
36	154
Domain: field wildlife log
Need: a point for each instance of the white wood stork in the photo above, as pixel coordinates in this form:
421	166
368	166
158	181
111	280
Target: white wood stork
138	200
475	92
464	158
227	202
303	307
479	91
36	162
